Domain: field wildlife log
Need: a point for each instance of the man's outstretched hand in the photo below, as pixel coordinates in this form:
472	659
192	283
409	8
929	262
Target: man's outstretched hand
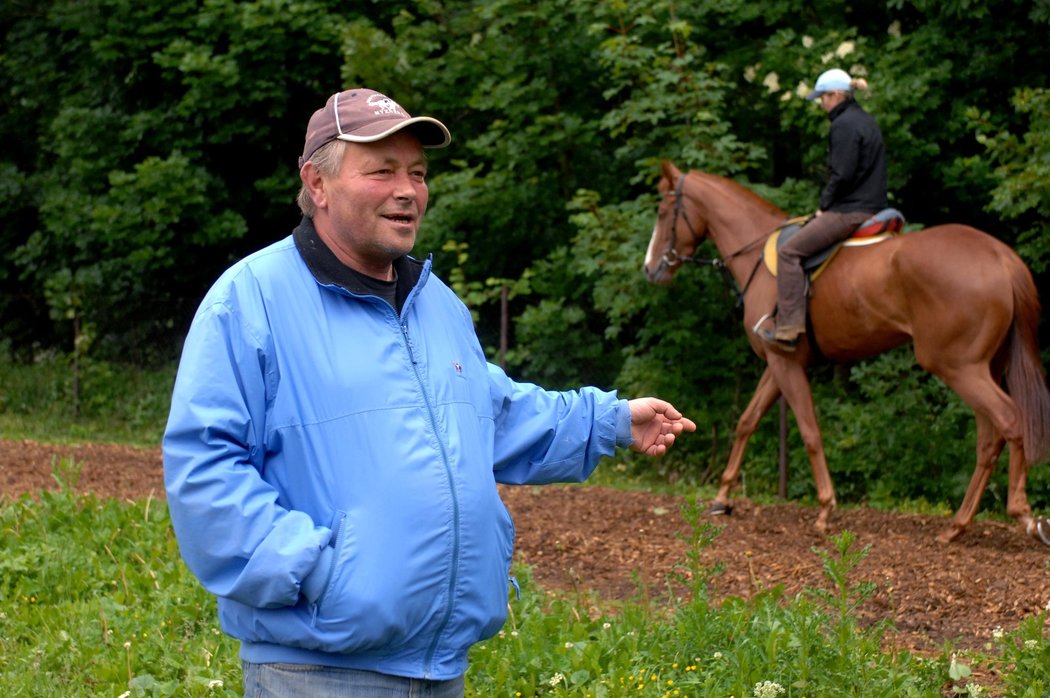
655	424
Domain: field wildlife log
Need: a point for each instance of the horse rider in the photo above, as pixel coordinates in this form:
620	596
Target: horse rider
855	190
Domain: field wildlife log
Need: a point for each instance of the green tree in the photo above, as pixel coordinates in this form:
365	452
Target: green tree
161	145
1021	168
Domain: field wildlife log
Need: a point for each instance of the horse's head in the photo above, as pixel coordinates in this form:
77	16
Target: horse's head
675	234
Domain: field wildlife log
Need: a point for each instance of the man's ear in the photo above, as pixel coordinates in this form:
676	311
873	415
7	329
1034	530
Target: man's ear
314	184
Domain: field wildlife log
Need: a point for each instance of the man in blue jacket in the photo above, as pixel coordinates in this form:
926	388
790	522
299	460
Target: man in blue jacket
336	435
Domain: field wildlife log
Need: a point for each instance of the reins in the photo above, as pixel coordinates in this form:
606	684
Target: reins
672	258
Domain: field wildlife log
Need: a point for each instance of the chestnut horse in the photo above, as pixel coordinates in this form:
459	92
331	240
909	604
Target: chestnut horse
964	299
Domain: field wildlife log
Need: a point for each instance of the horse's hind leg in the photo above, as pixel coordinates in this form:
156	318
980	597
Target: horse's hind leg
998	421
766	393
990	444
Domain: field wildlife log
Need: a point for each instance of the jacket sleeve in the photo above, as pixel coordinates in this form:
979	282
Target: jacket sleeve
232	531
544	436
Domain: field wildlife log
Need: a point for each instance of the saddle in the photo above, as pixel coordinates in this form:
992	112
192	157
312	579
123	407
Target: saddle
884	224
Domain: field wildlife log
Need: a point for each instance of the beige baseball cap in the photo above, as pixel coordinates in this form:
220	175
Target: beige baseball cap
360	115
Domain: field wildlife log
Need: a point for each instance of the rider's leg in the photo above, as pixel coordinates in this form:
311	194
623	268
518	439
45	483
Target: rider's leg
820	232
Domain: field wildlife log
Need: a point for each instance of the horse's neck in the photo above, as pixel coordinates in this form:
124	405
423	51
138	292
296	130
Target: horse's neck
738	226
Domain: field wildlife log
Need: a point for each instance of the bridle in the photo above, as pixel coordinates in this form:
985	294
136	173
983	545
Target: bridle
672	259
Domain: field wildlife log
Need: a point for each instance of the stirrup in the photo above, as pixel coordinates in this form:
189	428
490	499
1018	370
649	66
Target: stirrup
760	321
769	337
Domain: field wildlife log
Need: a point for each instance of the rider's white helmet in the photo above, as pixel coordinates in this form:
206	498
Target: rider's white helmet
834	80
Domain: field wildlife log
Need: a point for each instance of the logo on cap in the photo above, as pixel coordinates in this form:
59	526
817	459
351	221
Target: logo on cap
384	105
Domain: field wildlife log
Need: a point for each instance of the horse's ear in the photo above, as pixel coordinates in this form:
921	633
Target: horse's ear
669	170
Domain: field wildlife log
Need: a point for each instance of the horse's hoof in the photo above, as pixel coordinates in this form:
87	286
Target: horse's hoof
949	534
720	509
1040	530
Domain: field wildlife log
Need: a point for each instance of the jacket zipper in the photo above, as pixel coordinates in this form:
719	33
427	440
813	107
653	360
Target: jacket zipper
428	658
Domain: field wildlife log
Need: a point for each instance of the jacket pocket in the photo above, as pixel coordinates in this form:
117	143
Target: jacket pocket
495	600
378	597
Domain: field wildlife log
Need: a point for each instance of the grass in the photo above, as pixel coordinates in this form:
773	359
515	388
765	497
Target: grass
95	600
117	404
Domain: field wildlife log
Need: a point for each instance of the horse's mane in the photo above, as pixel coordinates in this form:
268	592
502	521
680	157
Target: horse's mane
736	190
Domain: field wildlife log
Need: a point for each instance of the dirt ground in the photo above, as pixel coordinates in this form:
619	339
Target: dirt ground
594	538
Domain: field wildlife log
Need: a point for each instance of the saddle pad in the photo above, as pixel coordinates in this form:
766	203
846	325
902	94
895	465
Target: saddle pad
815	264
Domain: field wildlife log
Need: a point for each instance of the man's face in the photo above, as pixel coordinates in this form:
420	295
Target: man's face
369	213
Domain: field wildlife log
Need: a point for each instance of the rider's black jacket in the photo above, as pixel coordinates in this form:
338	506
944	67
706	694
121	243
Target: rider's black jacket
856	162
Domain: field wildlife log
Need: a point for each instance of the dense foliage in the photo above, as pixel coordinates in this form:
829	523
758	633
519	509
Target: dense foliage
143	146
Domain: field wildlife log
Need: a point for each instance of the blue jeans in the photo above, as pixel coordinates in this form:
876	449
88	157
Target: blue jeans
309	681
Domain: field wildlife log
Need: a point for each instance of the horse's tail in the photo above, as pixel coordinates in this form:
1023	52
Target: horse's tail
1025	378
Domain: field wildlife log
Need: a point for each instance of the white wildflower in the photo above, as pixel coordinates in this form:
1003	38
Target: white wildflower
895	29
717	655
569	645
998	633
807	42
768	689
974	689
771	81
845	49
750	72
214	683
606	626
1031	644
803	89
826	58
557	679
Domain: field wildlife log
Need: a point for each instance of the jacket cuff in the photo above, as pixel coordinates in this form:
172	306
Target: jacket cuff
623	424
314	584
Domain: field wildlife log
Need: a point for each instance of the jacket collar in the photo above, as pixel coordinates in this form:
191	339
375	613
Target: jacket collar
328	270
841	107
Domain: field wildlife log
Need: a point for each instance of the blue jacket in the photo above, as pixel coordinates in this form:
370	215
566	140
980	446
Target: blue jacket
331	467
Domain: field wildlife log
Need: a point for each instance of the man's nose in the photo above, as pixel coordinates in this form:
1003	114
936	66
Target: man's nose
404	187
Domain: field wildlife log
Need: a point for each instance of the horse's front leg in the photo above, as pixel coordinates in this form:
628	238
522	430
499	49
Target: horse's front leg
766	393
791	377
